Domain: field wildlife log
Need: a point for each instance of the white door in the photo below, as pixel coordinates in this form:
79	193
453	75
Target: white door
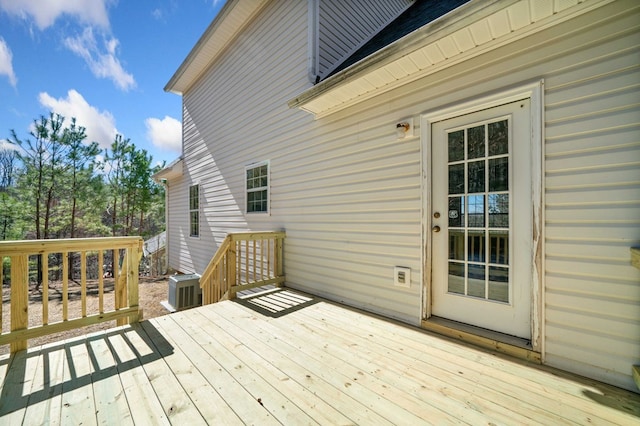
482	219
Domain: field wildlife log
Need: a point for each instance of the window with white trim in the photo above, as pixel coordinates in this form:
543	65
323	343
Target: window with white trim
194	210
257	186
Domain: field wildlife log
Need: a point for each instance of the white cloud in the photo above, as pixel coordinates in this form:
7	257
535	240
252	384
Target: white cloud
165	134
100	125
102	60
6	63
5	145
45	13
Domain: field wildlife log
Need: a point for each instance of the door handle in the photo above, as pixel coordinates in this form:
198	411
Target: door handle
436	228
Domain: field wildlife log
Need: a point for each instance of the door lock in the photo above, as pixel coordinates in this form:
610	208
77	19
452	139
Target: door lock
436	228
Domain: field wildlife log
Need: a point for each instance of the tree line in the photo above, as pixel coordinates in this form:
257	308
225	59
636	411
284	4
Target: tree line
56	184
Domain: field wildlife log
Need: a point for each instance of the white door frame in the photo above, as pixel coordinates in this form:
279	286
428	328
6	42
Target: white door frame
533	91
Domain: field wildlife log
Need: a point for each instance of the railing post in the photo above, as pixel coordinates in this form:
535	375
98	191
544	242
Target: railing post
279	259
19	298
132	280
231	269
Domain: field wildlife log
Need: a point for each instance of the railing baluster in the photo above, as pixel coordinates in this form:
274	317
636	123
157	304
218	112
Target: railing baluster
246	269
115	272
262	259
65	286
100	281
45	288
255	265
1	286
83	282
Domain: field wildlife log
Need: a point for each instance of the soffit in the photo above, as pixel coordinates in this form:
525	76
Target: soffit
468	31
171	171
230	21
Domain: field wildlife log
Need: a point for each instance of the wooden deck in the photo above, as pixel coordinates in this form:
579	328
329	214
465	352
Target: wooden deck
287	358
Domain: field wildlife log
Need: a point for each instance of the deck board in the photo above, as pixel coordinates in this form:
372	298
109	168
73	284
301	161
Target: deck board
288	358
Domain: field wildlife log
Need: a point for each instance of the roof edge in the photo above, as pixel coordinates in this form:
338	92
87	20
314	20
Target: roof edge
215	39
172	170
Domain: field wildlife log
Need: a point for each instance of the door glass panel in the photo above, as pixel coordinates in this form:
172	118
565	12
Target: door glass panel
476	177
456	212
476	211
499	174
476	281
475	142
498	210
499	284
498	137
499	247
456	179
456	146
456	278
456	245
479	211
476	246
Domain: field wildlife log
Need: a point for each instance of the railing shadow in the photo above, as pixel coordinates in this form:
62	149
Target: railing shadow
276	302
37	375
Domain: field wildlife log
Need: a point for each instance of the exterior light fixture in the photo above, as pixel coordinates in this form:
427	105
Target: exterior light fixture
402	129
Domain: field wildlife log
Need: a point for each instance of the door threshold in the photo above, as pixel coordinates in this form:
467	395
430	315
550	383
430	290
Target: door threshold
488	339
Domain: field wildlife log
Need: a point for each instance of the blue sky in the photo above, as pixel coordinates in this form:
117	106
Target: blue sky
104	62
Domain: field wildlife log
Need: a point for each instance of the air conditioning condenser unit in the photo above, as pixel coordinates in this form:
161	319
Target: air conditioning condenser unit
184	291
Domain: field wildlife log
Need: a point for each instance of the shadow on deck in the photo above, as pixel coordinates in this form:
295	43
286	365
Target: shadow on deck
284	357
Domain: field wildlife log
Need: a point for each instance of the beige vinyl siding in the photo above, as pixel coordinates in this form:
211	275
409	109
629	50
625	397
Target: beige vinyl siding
591	304
593	212
349	193
343	26
232	121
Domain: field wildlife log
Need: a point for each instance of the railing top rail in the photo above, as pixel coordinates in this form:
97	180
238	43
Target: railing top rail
258	235
29	247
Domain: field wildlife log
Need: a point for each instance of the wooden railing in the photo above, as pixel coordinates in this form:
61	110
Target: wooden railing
243	261
39	260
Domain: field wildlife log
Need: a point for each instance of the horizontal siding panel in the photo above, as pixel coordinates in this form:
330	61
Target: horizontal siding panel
592	286
344	26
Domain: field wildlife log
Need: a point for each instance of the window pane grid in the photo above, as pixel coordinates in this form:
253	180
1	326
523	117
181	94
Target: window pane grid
479	211
257	184
194	210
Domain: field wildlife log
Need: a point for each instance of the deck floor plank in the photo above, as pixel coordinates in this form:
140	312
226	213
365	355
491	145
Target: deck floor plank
263	394
261	363
45	398
392	404
285	357
15	390
400	382
143	403
453	377
452	392
78	403
203	356
212	407
110	399
549	389
309	374
177	405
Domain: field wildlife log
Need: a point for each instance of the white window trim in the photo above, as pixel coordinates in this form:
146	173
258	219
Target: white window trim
268	187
